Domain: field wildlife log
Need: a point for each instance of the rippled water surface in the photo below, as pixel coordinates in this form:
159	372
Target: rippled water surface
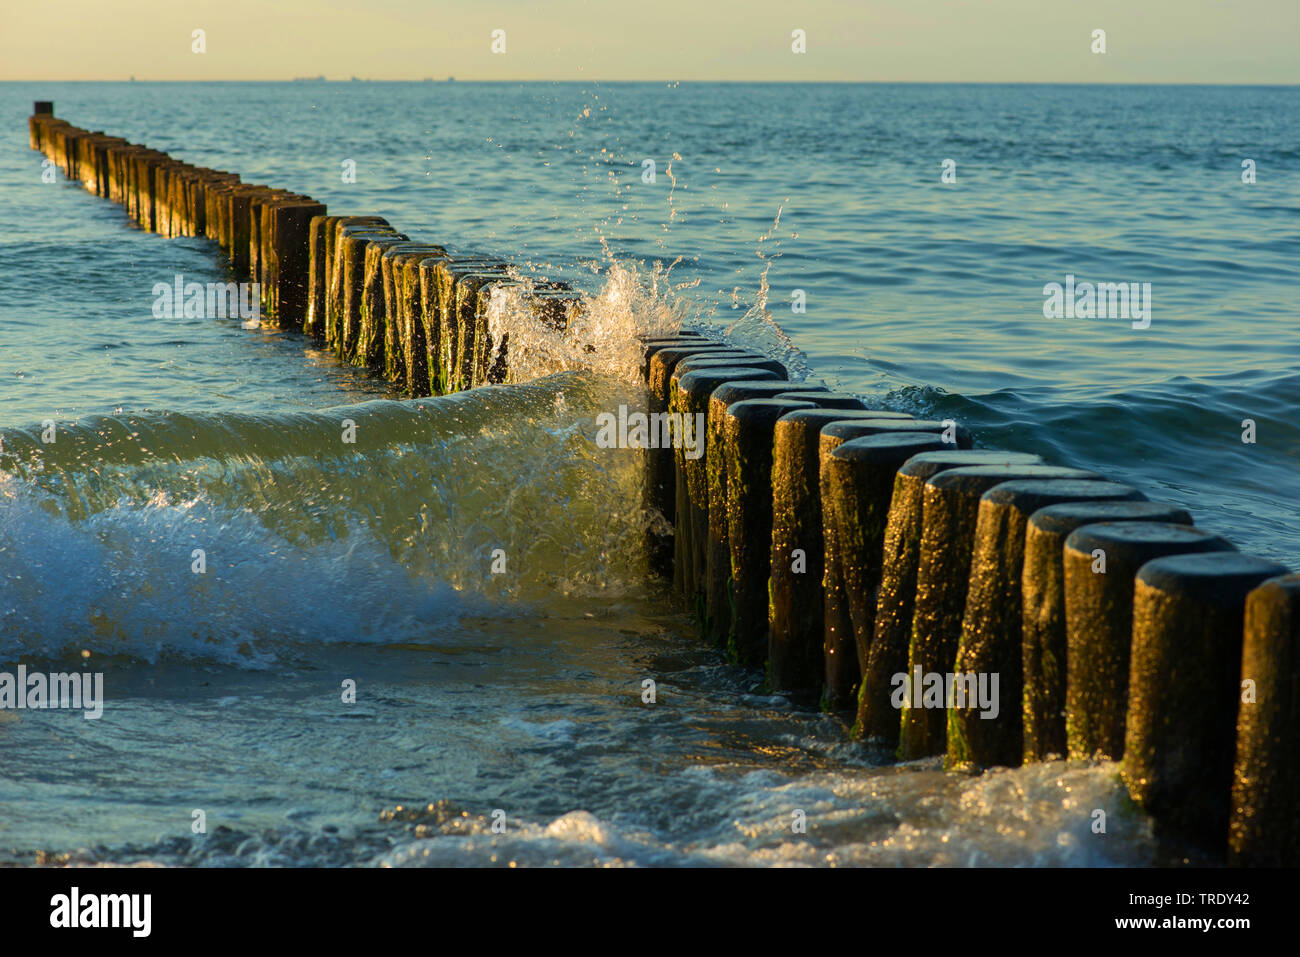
522	692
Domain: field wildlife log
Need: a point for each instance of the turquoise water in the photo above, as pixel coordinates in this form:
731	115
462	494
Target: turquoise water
521	691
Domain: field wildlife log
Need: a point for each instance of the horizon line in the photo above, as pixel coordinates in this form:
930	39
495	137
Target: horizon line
445	80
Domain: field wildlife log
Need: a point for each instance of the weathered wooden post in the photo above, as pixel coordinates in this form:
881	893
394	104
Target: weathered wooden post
1099	564
990	643
900	558
796	600
716	550
689	394
842	654
1185	687
949	512
1265	828
1044	638
747	444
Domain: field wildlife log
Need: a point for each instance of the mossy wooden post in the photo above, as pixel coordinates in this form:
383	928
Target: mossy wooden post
991	642
747	456
689	394
445	313
842	656
1265	829
861	473
333	274
348	279
256	203
717	549
289	253
122	161
438	298
441	316
313	324
95	164
41	110
419	321
148	162
400	300
651	346
240	214
1099	563
134	187
663	362
413	281
1044	640
218	211
256	243
1185	689
661	463
42	114
163	199
796	601
950	507
162	203
103	166
901	554
374	303
659	492
465	311
116	159
350	255
184	201
202	193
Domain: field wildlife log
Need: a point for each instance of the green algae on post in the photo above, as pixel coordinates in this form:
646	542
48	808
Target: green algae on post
348	281
401	299
371	333
441	316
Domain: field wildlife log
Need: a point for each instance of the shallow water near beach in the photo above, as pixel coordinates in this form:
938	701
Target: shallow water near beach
517	696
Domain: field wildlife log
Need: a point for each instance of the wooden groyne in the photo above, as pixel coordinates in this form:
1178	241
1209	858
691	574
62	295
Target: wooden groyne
879	564
977	604
371	294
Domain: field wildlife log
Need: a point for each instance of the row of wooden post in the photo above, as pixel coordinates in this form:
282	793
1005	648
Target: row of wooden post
377	298
840	547
879	566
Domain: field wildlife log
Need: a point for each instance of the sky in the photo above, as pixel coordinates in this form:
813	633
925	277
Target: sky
1034	41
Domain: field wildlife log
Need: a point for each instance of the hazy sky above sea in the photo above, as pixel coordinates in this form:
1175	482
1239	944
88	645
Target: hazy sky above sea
1038	41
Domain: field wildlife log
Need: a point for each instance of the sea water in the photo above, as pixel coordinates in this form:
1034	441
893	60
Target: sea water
438	643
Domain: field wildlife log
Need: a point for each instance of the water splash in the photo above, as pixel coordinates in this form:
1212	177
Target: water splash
306	538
